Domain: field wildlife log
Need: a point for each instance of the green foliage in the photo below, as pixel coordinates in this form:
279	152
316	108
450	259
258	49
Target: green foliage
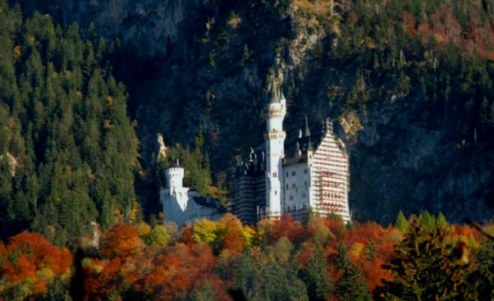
401	222
274	280
196	165
203	293
482	280
65	126
425	268
316	278
427	220
158	236
352	285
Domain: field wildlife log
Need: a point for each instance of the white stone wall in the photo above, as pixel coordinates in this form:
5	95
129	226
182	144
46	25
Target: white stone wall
296	180
178	203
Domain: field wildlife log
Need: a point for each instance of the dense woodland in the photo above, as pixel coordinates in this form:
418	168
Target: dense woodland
85	87
68	151
424	258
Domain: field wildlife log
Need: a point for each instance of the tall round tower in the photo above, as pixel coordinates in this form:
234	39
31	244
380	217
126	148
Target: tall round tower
275	138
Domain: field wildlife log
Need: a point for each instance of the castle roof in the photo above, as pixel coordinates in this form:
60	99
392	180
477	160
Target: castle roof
295	150
209	202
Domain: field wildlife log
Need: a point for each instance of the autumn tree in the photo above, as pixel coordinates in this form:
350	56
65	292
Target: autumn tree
31	267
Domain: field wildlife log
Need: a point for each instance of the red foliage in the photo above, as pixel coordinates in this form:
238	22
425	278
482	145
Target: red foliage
286	226
409	23
177	272
187	236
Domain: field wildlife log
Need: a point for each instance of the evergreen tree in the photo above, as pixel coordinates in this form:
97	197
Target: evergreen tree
315	276
352	285
425	267
401	222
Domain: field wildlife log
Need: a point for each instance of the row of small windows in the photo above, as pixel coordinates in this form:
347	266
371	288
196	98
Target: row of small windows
288	208
333	195
294	173
293	185
304	195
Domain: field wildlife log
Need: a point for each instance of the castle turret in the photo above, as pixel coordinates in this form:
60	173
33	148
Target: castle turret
175	190
275	137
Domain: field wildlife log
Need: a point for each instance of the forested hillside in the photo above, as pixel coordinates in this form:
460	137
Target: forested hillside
409	82
68	151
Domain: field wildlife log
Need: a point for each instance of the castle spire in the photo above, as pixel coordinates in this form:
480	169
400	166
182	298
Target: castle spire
306	129
275	83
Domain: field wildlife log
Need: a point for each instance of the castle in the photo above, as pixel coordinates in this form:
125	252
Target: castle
182	205
309	174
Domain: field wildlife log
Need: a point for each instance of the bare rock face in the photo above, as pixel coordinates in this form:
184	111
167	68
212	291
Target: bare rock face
149	25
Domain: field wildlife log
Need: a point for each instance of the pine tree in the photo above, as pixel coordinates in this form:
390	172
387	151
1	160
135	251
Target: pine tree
352	285
315	276
401	222
425	268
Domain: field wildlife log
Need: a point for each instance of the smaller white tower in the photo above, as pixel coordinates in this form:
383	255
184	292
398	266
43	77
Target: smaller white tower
275	138
175	195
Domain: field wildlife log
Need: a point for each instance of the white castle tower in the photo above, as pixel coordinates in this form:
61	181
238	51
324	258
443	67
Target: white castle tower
175	196
275	138
182	205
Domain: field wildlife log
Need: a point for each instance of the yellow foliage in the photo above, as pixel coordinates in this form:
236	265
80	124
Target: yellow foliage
45	274
205	231
109	100
319	8
118	214
264	228
143	229
351	123
248	235
17	52
234	20
134	212
356	250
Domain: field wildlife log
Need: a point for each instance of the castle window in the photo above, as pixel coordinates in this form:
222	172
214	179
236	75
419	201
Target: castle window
286	186
293	173
287	175
291	198
305	170
293	185
275	174
275	192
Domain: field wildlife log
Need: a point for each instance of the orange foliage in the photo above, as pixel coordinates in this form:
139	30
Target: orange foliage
374	273
122	240
232	239
25	255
